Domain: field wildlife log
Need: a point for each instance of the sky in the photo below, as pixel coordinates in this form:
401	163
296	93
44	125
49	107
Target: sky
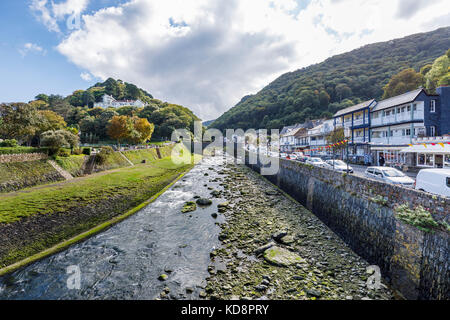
203	54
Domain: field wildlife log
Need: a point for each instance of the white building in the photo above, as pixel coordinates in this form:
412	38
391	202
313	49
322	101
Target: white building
110	102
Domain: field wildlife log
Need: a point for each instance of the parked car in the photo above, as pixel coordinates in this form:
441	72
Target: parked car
389	175
435	181
283	155
291	157
338	165
317	162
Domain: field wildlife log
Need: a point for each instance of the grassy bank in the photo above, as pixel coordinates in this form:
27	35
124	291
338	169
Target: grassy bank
138	156
19	175
72	164
37	219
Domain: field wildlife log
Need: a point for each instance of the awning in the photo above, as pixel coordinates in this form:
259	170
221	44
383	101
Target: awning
386	148
420	148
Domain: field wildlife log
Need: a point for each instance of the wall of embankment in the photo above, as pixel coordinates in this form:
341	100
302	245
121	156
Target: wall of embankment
362	212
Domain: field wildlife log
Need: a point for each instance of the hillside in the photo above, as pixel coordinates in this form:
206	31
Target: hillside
340	81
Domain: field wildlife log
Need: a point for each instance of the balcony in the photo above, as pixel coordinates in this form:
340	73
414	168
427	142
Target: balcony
399	117
360	139
360	122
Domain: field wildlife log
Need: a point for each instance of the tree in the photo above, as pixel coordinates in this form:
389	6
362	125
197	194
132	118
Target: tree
439	73
42	97
119	128
51	121
404	81
343	91
143	130
20	121
55	140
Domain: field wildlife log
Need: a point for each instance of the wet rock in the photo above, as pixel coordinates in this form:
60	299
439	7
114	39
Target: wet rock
261	288
264	248
215	194
287	240
189	290
279	235
281	257
163	277
313	293
214	215
271	192
189	207
204	202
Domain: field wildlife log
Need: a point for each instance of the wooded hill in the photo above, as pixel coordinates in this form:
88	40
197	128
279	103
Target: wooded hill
320	90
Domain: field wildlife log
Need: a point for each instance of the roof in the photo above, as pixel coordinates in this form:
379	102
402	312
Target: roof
398	100
357	107
292	132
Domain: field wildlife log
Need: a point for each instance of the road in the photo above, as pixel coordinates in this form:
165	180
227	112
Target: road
359	171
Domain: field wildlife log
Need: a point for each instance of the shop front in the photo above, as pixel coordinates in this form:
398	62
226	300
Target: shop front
430	156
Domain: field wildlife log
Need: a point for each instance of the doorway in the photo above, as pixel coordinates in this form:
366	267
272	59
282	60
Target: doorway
439	161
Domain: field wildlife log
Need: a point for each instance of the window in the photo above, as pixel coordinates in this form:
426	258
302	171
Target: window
425	160
414	107
447	160
370	171
403	109
433	131
448	182
408	108
408	132
433	106
399	110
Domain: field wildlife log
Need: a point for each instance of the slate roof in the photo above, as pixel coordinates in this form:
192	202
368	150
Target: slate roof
398	100
357	107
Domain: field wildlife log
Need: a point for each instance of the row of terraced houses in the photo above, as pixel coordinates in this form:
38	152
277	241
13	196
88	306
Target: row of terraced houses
410	130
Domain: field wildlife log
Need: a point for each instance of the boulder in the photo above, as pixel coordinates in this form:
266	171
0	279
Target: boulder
282	257
204	202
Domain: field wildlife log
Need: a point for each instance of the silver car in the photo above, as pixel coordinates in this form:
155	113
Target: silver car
389	175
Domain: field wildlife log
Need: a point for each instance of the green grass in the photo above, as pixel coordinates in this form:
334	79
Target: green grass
113	161
72	164
61	198
28	253
18	175
139	155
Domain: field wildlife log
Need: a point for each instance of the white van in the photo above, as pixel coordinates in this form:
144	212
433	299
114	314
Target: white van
435	181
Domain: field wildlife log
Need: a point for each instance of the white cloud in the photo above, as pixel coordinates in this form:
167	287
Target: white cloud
51	12
207	54
31	48
86	76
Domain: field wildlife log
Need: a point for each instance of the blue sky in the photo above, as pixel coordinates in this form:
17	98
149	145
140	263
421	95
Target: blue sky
203	54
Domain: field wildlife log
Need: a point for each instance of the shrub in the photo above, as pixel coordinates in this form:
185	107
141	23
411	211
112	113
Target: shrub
102	156
87	151
9	143
418	217
63	153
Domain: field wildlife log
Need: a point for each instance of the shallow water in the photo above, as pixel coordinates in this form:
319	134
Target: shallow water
125	261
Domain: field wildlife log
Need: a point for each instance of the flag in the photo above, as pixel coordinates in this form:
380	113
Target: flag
441	144
410	145
424	144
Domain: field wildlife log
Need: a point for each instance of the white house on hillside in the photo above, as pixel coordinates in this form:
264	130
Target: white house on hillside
110	102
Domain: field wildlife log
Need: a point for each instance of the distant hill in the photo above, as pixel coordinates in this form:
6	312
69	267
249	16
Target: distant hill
207	123
116	88
340	81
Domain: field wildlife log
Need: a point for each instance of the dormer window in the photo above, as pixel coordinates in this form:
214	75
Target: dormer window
433	106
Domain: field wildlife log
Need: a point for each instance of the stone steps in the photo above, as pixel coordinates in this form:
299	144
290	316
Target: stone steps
60	170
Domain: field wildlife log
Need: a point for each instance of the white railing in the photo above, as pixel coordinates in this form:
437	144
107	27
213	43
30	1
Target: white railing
399	117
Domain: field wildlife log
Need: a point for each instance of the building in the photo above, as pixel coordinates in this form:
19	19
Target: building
399	121
356	123
429	152
290	136
109	102
317	136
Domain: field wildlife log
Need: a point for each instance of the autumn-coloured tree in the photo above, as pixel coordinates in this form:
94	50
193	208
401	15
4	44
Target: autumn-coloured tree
404	81
143	130
119	128
51	121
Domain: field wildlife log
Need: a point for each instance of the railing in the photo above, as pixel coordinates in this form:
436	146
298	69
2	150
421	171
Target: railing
418	115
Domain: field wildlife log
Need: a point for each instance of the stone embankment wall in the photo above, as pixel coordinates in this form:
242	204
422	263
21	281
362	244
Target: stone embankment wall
362	212
22	157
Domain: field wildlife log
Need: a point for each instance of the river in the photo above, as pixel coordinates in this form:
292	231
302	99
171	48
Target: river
126	261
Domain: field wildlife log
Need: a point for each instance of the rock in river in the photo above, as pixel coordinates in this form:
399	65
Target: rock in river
282	257
204	202
189	207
